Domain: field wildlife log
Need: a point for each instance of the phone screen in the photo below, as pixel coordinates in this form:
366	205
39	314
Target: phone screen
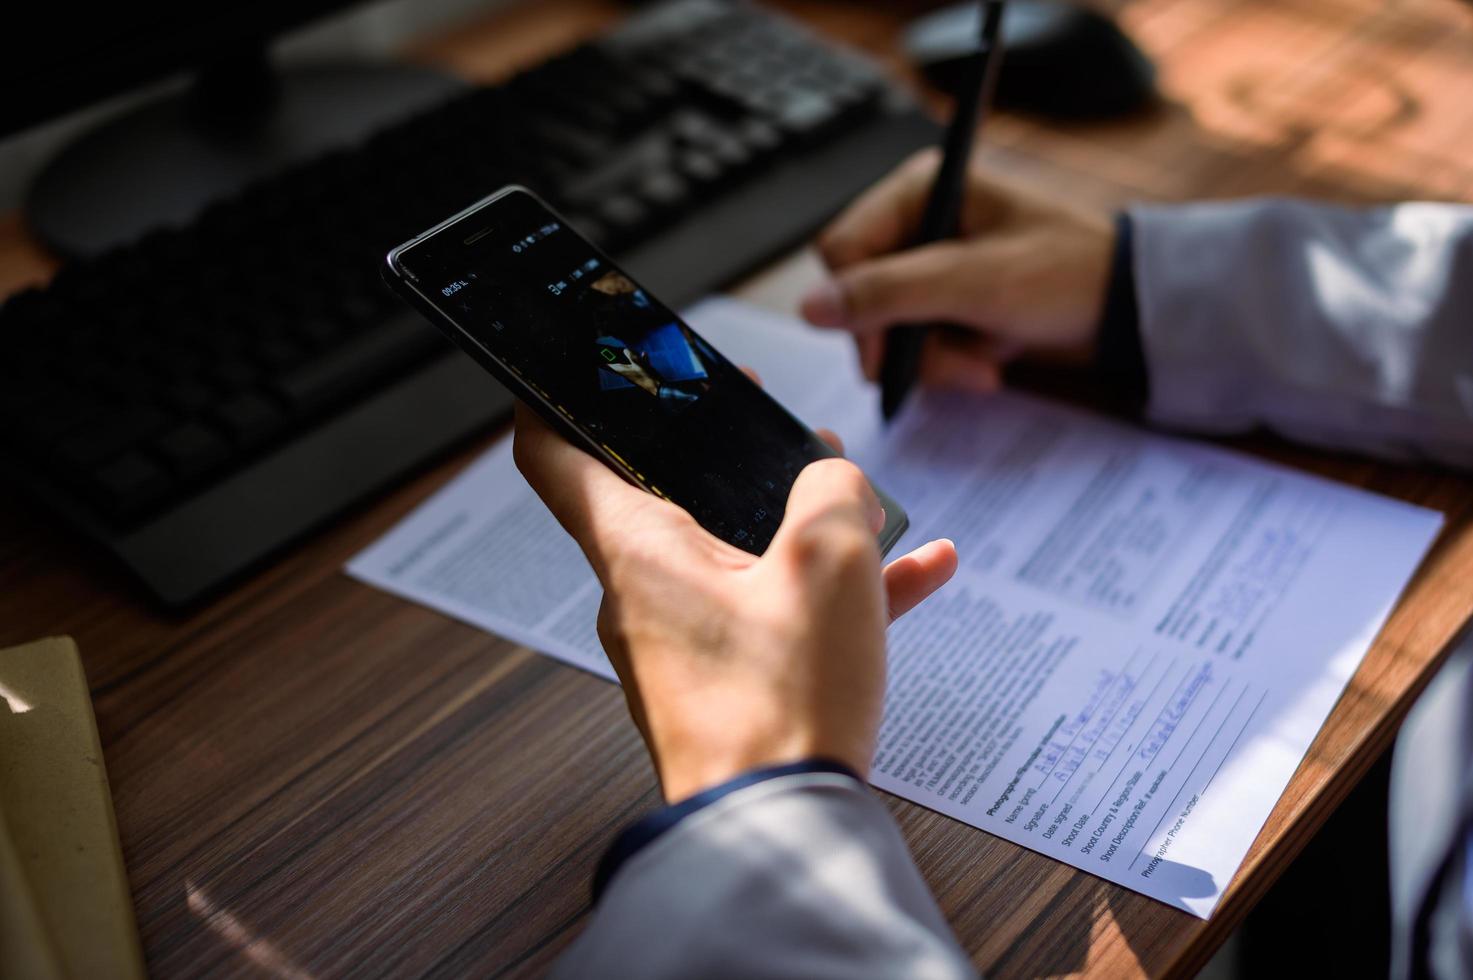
618	365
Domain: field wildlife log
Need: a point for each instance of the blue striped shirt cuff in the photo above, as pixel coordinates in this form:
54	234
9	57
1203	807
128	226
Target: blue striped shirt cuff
643	833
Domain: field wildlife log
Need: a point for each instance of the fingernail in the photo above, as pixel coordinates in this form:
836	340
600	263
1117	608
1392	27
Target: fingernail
823	305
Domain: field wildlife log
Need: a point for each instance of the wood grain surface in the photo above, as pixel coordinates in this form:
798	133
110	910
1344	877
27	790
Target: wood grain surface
313	778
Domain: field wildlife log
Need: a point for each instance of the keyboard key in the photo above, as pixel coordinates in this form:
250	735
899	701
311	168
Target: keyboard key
657	85
701	168
761	136
806	113
191	450
274	353
127	383
729	151
590	228
623	214
664	189
178	363
130	485
577	146
316	331
41	410
234	374
251	420
189	396
851	95
694	127
108	437
363	307
383	350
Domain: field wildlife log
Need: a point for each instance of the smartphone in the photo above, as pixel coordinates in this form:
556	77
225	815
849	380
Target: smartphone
611	367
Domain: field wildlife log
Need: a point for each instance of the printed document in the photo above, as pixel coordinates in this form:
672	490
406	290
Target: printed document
1144	636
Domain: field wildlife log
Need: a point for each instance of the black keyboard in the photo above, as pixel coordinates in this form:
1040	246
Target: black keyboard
201	398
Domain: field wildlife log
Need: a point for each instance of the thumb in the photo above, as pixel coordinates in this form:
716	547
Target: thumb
830	521
933	282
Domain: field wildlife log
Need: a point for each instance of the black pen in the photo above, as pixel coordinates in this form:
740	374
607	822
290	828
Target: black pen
903	344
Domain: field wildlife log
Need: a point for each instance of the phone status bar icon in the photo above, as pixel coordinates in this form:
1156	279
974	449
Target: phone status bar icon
527	241
556	288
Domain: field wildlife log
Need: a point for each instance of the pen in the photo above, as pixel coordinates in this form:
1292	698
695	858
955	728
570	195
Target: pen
904	343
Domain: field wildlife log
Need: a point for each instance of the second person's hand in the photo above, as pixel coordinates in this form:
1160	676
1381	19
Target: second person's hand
1025	275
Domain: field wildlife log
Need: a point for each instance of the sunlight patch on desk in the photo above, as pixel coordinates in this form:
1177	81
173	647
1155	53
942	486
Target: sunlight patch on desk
261	952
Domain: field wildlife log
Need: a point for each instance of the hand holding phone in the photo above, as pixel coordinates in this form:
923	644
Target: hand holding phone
731	661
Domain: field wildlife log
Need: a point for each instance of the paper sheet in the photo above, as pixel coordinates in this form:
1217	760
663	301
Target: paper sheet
1143	638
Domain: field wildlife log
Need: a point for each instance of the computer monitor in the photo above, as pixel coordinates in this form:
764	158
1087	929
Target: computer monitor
162	162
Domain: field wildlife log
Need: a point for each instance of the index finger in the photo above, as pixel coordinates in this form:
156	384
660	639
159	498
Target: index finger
884	218
830	508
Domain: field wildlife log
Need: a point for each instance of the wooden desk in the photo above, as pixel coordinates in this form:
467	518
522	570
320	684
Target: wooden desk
312	777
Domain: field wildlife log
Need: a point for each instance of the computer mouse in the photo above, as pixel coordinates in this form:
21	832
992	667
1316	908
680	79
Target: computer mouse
1059	60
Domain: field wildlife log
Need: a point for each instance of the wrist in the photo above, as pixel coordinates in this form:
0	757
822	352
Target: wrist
696	758
1098	244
